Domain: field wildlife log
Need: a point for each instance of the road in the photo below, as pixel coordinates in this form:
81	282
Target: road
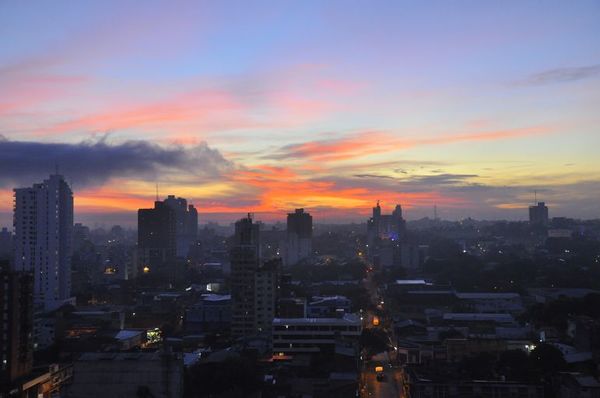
389	387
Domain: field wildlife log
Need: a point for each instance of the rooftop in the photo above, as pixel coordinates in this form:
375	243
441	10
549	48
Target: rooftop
347	319
485	295
216	297
412	282
478	317
127	334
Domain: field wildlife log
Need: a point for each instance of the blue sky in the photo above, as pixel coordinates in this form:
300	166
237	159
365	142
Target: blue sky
467	105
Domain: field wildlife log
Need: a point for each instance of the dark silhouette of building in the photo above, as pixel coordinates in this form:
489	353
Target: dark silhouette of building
245	258
254	283
43	221
299	237
16	336
387	241
6	244
538	215
392	226
156	238
156	374
186	224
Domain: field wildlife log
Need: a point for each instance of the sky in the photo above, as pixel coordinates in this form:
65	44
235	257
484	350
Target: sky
268	106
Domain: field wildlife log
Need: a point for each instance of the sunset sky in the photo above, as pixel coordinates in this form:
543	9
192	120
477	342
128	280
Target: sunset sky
268	106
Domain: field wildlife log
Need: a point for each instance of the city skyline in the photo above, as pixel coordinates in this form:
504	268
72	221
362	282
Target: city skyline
325	107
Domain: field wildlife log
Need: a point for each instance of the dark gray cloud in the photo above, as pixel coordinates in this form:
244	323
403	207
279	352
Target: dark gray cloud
440	179
424	180
561	75
91	163
373	176
412	183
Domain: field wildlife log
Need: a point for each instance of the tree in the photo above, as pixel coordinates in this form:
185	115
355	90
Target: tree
547	359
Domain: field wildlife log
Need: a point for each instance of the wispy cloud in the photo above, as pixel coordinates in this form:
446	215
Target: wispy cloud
376	142
561	75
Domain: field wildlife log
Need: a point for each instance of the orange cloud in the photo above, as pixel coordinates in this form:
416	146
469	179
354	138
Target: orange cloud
376	142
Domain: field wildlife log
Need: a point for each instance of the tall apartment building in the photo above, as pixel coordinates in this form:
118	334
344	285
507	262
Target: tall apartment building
538	215
6	244
186	224
156	250
43	222
16	335
299	237
254	284
266	282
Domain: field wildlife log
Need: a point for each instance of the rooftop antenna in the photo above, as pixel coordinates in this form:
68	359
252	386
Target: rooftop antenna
157	191
535	196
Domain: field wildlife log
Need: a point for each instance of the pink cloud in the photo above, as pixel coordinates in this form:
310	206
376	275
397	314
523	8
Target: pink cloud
377	142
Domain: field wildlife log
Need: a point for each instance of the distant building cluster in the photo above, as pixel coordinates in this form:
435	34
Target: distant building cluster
422	308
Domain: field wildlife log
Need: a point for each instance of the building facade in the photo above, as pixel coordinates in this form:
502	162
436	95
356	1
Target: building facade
254	283
156	250
16	312
186	224
538	215
295	336
299	237
43	222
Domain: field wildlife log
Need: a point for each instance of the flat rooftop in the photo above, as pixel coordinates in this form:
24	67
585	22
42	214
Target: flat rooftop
347	319
412	282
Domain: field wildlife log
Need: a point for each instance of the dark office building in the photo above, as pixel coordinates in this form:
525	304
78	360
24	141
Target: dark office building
299	237
538	215
392	226
253	283
16	336
186	224
245	259
156	238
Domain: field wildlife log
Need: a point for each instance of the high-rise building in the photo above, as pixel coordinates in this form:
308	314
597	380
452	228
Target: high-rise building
81	234
538	215
299	237
43	221
254	284
386	237
186	224
156	238
6	244
16	336
392	227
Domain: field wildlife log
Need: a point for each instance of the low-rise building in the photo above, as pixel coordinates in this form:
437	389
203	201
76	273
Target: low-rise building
157	374
211	314
313	335
328	307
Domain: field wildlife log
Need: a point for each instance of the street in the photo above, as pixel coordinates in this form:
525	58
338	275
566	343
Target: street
390	386
391	383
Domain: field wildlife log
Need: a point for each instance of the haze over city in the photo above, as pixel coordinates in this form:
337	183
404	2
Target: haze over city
270	106
299	199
